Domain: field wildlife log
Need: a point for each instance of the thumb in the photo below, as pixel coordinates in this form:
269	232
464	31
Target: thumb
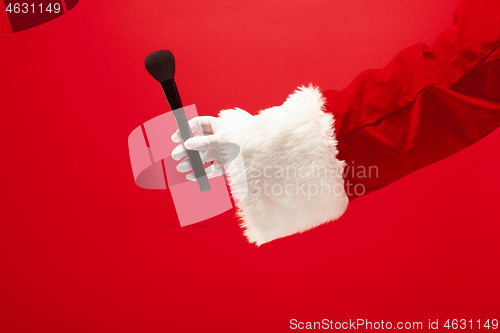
201	142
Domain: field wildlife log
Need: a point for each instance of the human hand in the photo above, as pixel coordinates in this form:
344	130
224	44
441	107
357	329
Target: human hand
206	138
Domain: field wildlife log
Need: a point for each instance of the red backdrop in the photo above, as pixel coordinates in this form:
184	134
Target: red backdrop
83	249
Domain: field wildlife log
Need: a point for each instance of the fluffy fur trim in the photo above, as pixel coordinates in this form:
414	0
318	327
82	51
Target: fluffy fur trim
289	179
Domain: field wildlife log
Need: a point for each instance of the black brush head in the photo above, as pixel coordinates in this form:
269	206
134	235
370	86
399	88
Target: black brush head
161	65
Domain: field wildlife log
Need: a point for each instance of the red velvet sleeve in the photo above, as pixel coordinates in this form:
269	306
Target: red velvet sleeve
425	105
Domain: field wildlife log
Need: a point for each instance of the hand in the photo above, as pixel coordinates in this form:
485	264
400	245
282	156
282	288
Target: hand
206	137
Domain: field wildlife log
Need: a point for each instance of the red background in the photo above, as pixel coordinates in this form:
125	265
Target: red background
83	249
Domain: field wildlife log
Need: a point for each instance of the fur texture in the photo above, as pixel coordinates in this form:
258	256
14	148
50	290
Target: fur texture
288	179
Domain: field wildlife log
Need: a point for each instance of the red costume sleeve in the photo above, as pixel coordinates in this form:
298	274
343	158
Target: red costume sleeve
425	105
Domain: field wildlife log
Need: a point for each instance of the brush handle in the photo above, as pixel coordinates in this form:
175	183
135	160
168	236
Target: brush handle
194	156
174	100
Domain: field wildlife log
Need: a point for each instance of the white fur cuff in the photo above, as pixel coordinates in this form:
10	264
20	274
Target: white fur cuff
292	179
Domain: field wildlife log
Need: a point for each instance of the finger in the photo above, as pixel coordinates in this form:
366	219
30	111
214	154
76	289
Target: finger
197	124
212	171
209	171
176	137
179	152
202	142
185	164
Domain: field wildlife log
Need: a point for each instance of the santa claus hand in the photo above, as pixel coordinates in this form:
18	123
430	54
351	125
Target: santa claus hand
205	140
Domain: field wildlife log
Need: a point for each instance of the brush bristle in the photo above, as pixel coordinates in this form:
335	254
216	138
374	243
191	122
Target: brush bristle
161	65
